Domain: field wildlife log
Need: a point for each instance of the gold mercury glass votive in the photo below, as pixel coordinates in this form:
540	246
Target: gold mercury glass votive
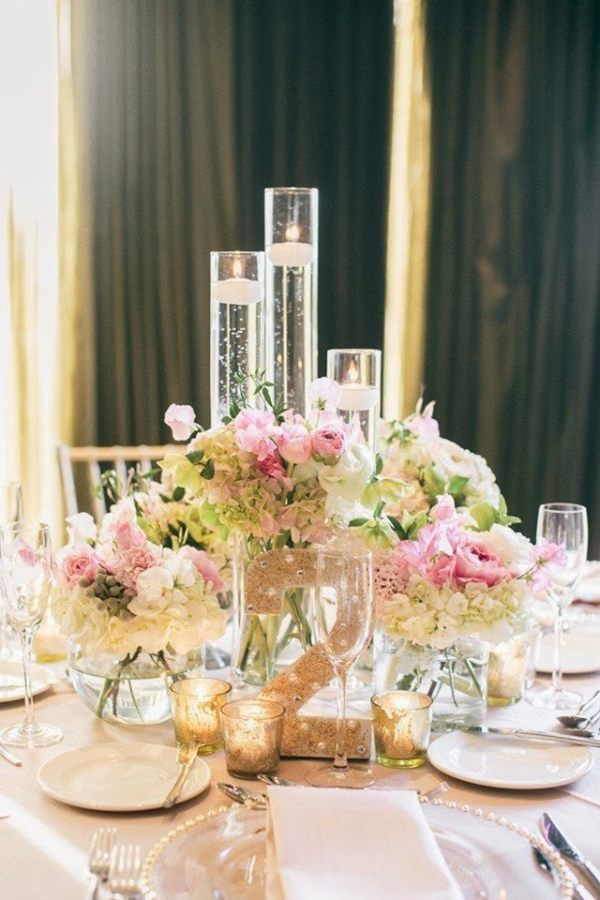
196	704
507	670
252	732
402	725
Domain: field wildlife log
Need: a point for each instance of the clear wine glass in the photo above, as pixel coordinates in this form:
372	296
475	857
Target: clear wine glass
564	524
11	511
343	624
25	583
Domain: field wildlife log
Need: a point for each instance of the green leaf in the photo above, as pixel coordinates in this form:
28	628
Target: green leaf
378	464
195	456
484	514
356	523
433	484
178	494
165	498
208	470
457	484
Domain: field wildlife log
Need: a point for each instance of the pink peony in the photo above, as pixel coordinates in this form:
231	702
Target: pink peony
294	443
181	420
253	429
328	442
79	562
205	568
474	562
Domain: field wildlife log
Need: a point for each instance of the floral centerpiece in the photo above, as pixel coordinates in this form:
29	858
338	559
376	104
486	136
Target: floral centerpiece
443	592
135	611
270	478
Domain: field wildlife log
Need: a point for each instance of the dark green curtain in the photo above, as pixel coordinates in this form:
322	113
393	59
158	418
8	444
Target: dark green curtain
513	295
189	109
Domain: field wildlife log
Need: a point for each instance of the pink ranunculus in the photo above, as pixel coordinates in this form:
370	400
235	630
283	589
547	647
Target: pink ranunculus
328	442
77	563
294	443
181	419
273	467
204	566
474	562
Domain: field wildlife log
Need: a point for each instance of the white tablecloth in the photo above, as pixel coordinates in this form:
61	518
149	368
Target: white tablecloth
45	844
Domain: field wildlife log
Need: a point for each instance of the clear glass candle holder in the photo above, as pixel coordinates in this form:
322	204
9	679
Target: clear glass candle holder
252	732
196	704
237	344
508	665
402	728
291	245
358	373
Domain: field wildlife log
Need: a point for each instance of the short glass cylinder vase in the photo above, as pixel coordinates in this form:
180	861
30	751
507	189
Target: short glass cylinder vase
455	678
132	690
266	645
507	670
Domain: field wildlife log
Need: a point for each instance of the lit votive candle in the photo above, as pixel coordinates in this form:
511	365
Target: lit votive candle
196	704
402	727
240	291
356	397
291	252
507	670
252	733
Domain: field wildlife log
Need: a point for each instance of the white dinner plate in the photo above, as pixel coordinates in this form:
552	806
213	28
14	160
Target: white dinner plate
580	649
119	777
11	680
506	762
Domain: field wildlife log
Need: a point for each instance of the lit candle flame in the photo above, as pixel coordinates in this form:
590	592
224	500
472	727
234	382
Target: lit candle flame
237	268
353	373
292	233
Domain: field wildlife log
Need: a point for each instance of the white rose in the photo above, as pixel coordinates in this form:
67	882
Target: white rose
349	477
82	528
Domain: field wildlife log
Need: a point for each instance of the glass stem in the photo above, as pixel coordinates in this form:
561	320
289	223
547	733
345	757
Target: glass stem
341	761
558	628
29	725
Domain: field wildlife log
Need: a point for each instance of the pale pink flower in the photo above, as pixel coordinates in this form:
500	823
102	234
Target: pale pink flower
273	467
181	419
444	509
328	442
547	552
76	563
130	563
294	443
253	430
128	535
204	566
474	562
425	427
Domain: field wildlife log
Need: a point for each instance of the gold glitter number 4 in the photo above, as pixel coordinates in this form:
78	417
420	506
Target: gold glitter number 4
267	579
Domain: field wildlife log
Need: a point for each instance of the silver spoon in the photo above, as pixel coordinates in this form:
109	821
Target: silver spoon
243	796
278	780
576	720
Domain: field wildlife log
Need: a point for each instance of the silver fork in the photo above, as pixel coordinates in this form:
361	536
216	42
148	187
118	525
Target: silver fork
124	874
103	842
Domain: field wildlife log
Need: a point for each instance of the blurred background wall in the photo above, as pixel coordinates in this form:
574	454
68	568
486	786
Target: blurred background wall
457	153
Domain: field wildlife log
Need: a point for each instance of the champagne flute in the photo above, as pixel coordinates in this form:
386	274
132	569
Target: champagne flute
11	511
25	583
343	625
564	524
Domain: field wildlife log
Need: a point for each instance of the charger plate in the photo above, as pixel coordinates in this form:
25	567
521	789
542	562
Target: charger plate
222	854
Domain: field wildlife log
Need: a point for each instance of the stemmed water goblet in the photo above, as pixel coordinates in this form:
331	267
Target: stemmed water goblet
564	524
25	584
343	625
11	512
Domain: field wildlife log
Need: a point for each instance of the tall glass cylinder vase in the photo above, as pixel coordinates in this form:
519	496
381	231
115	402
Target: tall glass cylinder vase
291	234
237	292
358	372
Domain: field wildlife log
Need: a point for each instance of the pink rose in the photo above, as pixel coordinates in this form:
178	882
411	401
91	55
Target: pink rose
77	563
474	562
181	420
294	443
328	442
205	568
253	428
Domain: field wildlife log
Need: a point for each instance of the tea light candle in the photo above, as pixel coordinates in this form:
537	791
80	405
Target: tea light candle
507	670
242	291
196	704
402	726
252	732
291	252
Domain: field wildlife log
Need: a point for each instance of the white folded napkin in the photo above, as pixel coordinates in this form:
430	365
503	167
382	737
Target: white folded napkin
344	844
588	587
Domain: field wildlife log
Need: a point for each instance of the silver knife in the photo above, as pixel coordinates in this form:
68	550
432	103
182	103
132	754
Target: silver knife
186	757
539	735
569	850
579	891
10	757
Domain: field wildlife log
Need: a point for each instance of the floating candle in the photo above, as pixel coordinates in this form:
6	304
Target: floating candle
355	397
242	291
